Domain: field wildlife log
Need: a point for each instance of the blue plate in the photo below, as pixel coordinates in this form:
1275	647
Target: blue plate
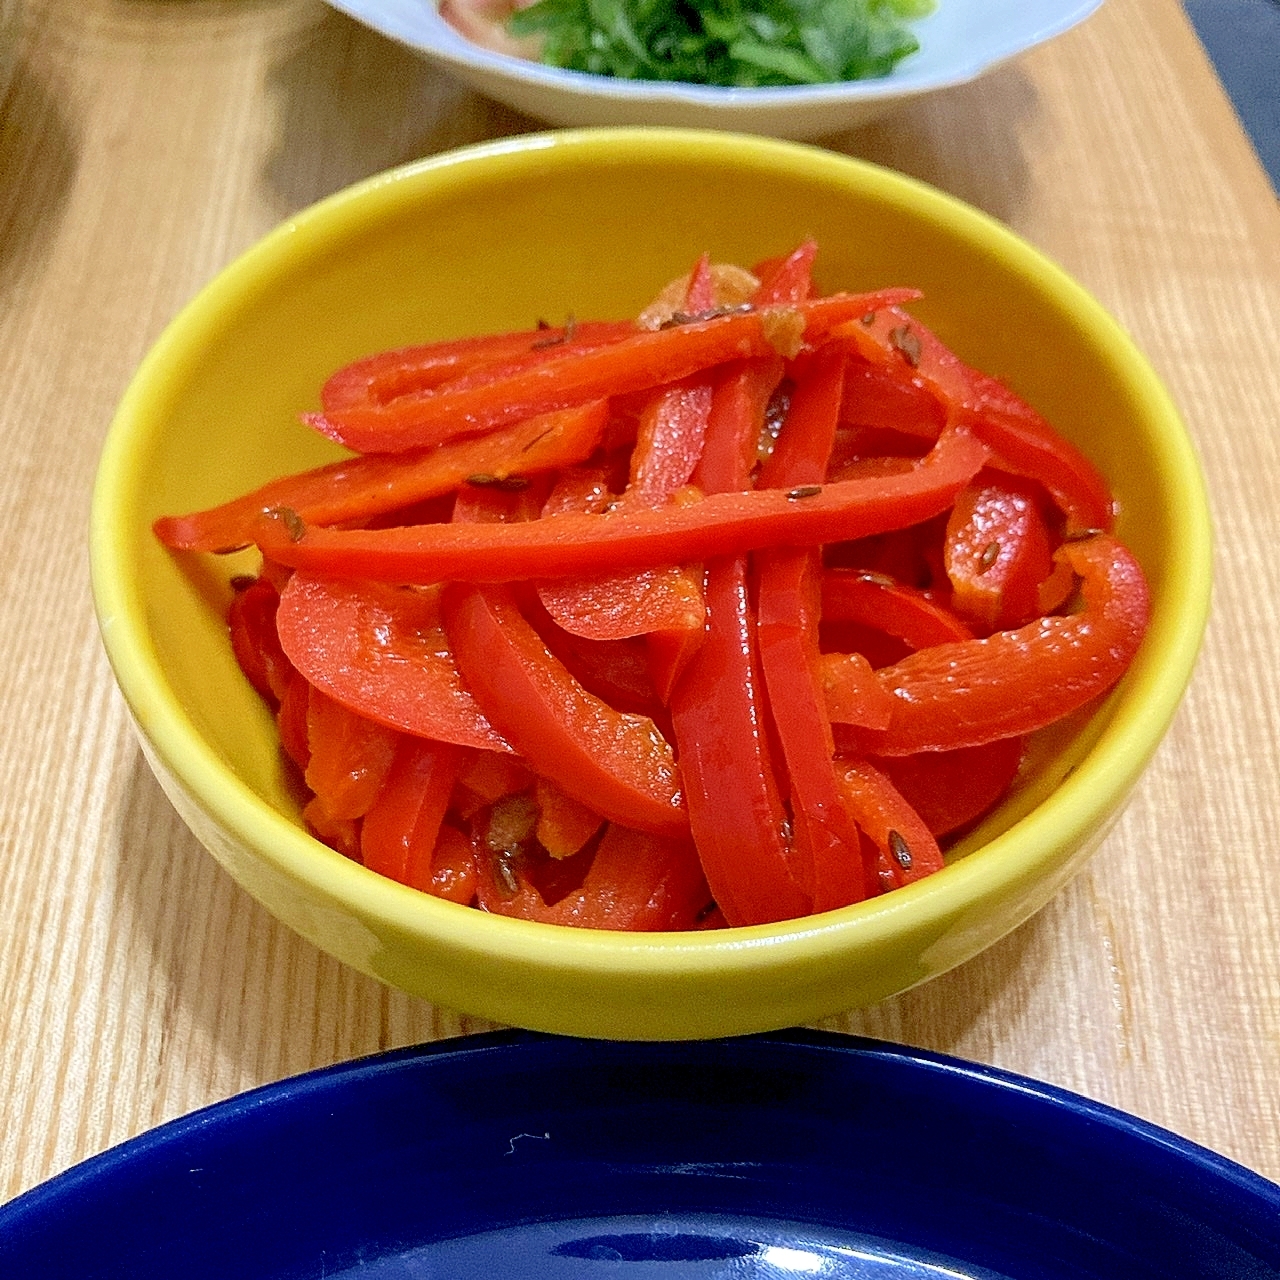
512	1154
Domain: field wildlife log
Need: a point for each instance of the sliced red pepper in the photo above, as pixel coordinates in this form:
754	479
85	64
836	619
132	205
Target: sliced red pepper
251	620
1021	441
736	812
342	834
852	694
997	552
376	380
453	867
357	489
400	829
662	599
636	882
350	756
829	848
616	762
383	652
291	720
487	778
487	399
718	709
951	789
565	825
1019	438
789	278
800	452
738	408
669	443
622	605
876	600
827	839
875	397
906	849
743	392
1013	682
574	545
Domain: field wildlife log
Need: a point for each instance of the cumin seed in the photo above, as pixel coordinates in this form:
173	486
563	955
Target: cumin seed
901	850
905	340
504	484
293	523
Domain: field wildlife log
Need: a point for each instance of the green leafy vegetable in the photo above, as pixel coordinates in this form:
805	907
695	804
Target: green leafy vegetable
733	43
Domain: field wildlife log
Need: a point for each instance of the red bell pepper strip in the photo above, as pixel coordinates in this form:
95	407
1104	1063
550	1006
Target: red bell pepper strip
350	756
291	720
881	399
828	846
622	605
616	671
400	829
787	589
383	652
951	789
342	834
571	545
666	598
997	552
1013	682
373	381
636	882
852	694
487	399
738	408
789	278
1019	438
875	600
486	779
736	813
743	392
718	709
906	849
669	443
453	868
356	489
565	825
617	763
251	621
1021	441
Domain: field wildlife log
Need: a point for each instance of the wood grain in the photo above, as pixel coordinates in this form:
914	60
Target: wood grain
144	143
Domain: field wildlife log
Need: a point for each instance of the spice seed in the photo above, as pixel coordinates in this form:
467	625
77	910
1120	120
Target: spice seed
901	850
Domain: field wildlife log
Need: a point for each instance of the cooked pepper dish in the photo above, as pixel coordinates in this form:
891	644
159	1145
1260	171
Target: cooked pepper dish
729	614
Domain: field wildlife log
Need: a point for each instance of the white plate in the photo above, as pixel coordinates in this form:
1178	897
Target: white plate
959	41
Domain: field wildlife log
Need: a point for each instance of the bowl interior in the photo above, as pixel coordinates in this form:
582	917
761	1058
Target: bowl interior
591	224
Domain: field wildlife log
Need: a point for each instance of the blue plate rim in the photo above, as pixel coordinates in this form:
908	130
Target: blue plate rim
242	1107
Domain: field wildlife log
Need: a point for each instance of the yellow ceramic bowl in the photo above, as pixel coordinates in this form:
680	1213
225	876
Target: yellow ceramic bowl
589	223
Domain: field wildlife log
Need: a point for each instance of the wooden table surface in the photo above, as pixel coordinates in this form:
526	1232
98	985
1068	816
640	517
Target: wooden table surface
145	143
